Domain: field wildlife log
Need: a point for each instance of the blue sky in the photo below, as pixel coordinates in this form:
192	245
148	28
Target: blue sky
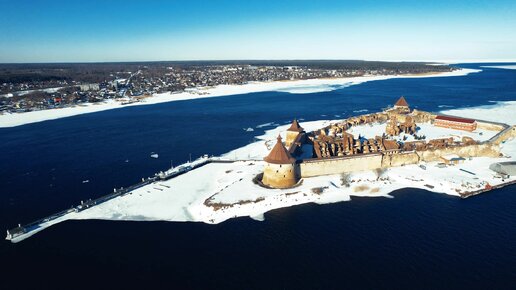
113	30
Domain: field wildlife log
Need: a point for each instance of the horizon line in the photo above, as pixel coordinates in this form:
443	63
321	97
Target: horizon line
441	61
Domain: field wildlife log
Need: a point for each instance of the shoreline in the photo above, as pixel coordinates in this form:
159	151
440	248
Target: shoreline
229	192
391	192
295	86
259	217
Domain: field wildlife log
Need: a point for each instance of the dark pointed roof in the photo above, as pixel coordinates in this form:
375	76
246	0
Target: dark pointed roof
279	154
401	102
295	127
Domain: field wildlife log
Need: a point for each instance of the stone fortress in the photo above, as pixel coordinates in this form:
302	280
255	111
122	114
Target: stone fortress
333	150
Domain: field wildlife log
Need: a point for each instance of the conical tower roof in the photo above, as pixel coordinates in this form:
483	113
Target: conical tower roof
401	102
295	127
279	154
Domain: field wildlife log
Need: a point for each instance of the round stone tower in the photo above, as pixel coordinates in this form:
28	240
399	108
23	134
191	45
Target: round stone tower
292	133
280	167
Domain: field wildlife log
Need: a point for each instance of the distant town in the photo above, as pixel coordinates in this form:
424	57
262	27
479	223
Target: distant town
30	87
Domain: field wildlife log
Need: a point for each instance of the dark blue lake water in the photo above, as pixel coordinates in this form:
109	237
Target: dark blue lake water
415	240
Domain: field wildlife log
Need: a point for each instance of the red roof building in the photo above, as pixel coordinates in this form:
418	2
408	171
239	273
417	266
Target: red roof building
455	119
455	123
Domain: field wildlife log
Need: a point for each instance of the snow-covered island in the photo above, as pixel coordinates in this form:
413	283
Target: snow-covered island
213	190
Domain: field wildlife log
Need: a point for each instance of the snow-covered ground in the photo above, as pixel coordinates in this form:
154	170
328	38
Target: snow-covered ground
182	198
299	86
511	66
220	191
232	193
431	132
21	93
502	112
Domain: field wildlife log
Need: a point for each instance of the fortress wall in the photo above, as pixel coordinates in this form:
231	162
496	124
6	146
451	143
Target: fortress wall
400	159
489	126
314	167
422	116
318	167
512	132
478	150
507	134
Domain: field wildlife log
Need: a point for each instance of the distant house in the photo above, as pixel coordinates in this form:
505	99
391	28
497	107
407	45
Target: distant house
89	87
455	123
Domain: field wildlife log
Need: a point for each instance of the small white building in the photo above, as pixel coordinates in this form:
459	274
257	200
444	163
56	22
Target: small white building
89	87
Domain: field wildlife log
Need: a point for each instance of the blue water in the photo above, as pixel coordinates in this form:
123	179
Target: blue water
416	240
